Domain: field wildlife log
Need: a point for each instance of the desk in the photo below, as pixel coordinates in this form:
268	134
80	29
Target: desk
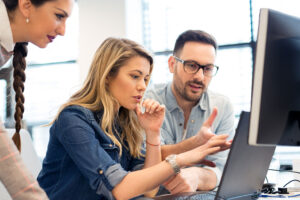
280	178
276	197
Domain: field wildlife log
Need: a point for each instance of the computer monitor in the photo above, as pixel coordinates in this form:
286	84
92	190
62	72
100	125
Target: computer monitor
275	103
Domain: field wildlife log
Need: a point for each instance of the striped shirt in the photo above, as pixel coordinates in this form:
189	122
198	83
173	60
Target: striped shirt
14	175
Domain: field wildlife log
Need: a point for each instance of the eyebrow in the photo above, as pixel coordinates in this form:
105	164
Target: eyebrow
65	13
140	72
197	62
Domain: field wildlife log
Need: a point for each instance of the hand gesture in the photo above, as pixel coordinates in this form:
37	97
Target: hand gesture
151	120
185	181
197	155
205	132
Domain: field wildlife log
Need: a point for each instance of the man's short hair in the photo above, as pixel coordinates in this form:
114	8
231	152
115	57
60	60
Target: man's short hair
193	36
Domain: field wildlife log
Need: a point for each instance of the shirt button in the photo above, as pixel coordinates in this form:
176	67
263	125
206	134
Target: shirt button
100	171
193	121
110	145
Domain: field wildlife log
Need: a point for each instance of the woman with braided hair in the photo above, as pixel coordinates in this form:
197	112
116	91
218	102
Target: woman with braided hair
23	21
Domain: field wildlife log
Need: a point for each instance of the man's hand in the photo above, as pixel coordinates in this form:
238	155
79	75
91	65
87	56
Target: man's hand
205	132
185	181
191	179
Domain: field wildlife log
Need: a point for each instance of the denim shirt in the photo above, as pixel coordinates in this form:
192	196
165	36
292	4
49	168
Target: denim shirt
173	127
82	162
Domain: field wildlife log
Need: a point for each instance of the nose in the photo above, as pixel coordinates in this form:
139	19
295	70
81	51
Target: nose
142	85
200	74
61	29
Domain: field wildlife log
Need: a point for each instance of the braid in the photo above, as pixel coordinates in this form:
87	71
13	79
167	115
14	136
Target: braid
19	64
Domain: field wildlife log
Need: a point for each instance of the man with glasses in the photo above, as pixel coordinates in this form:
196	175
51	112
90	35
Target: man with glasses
193	113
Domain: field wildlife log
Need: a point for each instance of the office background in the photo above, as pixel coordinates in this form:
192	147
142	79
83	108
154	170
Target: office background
54	73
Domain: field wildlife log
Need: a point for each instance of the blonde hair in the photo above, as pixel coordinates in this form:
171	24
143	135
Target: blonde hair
94	95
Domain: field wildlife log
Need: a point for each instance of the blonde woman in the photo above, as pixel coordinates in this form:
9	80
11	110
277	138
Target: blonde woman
95	147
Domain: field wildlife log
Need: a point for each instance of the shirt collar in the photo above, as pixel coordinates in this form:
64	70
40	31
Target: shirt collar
6	38
172	103
170	98
203	102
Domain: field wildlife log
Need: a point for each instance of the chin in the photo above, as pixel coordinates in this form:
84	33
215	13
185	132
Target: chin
132	107
43	46
129	107
40	45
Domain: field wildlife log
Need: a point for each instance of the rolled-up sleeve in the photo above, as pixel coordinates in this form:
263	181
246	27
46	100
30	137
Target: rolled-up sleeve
96	165
219	159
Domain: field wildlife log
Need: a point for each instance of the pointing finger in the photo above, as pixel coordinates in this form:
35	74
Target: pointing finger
211	118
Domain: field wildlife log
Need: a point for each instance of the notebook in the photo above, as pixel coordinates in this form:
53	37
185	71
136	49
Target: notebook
244	171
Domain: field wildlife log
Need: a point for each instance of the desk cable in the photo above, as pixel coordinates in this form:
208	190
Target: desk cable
281	190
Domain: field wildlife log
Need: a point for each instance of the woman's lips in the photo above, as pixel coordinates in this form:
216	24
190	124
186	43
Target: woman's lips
51	38
138	98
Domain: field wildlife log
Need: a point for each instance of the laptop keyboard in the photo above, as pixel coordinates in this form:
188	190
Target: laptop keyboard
189	196
205	196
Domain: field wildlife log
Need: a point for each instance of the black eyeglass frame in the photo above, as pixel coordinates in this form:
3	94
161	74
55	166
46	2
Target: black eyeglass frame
199	66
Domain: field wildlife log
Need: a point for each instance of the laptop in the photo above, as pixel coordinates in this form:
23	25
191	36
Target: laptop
244	172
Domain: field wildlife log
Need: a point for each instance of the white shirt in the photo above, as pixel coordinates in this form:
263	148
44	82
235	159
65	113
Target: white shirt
6	37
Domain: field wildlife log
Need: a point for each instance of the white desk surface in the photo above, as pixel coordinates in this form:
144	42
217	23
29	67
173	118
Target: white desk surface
276	196
281	178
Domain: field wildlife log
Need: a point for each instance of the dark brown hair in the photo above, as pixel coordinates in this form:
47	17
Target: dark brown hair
19	64
193	36
12	4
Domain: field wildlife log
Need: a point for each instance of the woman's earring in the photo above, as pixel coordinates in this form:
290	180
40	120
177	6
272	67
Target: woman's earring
27	20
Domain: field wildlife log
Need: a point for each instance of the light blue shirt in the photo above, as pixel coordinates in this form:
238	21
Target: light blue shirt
172	130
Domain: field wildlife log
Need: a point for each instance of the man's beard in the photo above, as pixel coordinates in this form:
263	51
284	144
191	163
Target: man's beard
184	94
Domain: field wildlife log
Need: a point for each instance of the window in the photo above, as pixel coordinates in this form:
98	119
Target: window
234	77
46	88
167	19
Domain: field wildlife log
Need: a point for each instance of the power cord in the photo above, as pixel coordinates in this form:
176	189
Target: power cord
269	188
294	180
281	170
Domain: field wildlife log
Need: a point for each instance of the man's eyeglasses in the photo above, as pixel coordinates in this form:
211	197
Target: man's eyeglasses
193	67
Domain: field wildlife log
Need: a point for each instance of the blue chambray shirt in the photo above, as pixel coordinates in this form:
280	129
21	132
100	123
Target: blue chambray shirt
81	161
173	126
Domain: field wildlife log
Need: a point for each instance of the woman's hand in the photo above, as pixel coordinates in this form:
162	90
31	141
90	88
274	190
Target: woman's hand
151	120
197	155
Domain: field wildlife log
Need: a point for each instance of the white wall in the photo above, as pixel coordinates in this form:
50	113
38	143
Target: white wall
98	19
134	22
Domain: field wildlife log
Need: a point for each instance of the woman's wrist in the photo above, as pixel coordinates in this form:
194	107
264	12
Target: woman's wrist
153	144
153	140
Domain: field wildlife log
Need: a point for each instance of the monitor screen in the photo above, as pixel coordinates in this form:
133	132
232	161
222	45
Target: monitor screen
275	103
